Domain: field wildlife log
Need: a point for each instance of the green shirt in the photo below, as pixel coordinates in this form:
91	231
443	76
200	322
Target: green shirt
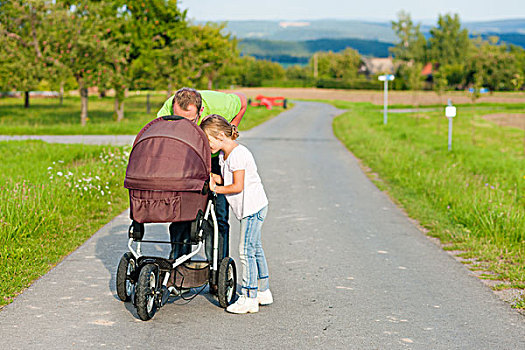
214	102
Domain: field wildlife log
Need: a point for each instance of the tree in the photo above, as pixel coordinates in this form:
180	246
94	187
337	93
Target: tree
149	39
210	53
296	72
518	78
159	40
21	35
499	65
75	42
343	65
412	44
454	74
415	82
252	72
439	85
449	44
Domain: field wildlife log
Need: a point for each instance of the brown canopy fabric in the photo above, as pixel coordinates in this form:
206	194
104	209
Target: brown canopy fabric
171	155
168	167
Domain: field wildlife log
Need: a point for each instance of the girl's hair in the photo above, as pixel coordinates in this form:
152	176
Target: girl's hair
214	124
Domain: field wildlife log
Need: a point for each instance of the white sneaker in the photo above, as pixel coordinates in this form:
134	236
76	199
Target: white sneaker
265	298
244	305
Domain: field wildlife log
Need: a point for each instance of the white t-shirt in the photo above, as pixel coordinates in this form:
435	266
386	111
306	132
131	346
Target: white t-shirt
253	194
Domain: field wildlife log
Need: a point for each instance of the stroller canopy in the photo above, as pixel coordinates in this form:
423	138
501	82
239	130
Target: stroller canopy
169	154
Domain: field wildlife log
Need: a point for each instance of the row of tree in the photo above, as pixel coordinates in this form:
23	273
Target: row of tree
113	44
458	61
150	44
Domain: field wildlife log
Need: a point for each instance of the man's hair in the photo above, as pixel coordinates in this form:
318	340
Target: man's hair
187	96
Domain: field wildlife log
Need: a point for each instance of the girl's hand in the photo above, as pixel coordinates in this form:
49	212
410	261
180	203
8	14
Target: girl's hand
213	184
217	179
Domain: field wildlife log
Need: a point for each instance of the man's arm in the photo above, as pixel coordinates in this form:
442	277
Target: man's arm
244	104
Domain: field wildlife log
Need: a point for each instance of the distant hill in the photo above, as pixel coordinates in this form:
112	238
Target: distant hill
299	52
344	29
293	42
311	30
497	27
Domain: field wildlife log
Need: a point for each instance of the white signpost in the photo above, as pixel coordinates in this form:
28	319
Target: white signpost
450	113
386	78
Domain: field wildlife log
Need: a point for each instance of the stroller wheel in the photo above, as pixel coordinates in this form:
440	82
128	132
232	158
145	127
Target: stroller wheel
227	281
125	284
147	291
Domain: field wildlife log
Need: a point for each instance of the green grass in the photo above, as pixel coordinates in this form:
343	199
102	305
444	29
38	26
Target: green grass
48	117
472	198
52	198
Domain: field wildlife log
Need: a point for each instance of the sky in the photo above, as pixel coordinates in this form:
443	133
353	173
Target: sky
378	10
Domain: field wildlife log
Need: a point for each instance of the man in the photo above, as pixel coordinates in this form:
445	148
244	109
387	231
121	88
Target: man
230	106
195	105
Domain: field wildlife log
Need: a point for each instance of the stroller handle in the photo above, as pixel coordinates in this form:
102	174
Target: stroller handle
172	117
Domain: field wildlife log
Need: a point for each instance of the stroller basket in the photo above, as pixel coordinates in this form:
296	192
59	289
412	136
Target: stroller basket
192	274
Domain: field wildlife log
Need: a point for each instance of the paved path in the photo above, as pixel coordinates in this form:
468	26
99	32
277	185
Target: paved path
348	271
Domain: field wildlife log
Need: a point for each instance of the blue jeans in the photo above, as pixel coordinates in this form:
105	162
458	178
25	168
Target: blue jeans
180	233
251	254
222	212
180	239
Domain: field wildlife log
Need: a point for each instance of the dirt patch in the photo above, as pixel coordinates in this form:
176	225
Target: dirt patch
376	97
516	120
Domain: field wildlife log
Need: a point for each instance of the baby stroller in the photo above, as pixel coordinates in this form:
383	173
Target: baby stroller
167	178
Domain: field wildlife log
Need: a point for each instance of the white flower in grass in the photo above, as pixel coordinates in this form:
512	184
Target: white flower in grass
102	192
109	203
59	173
61	161
69	173
85	188
49	168
96	177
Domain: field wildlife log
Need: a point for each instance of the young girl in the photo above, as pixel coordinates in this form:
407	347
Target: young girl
244	191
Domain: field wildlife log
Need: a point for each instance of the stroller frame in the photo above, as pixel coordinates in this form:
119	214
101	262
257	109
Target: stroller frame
209	211
145	280
168	181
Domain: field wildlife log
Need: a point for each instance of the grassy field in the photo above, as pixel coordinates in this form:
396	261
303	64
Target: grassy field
48	117
54	196
472	198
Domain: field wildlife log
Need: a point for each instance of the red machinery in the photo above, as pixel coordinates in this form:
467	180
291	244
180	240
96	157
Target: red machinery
268	101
